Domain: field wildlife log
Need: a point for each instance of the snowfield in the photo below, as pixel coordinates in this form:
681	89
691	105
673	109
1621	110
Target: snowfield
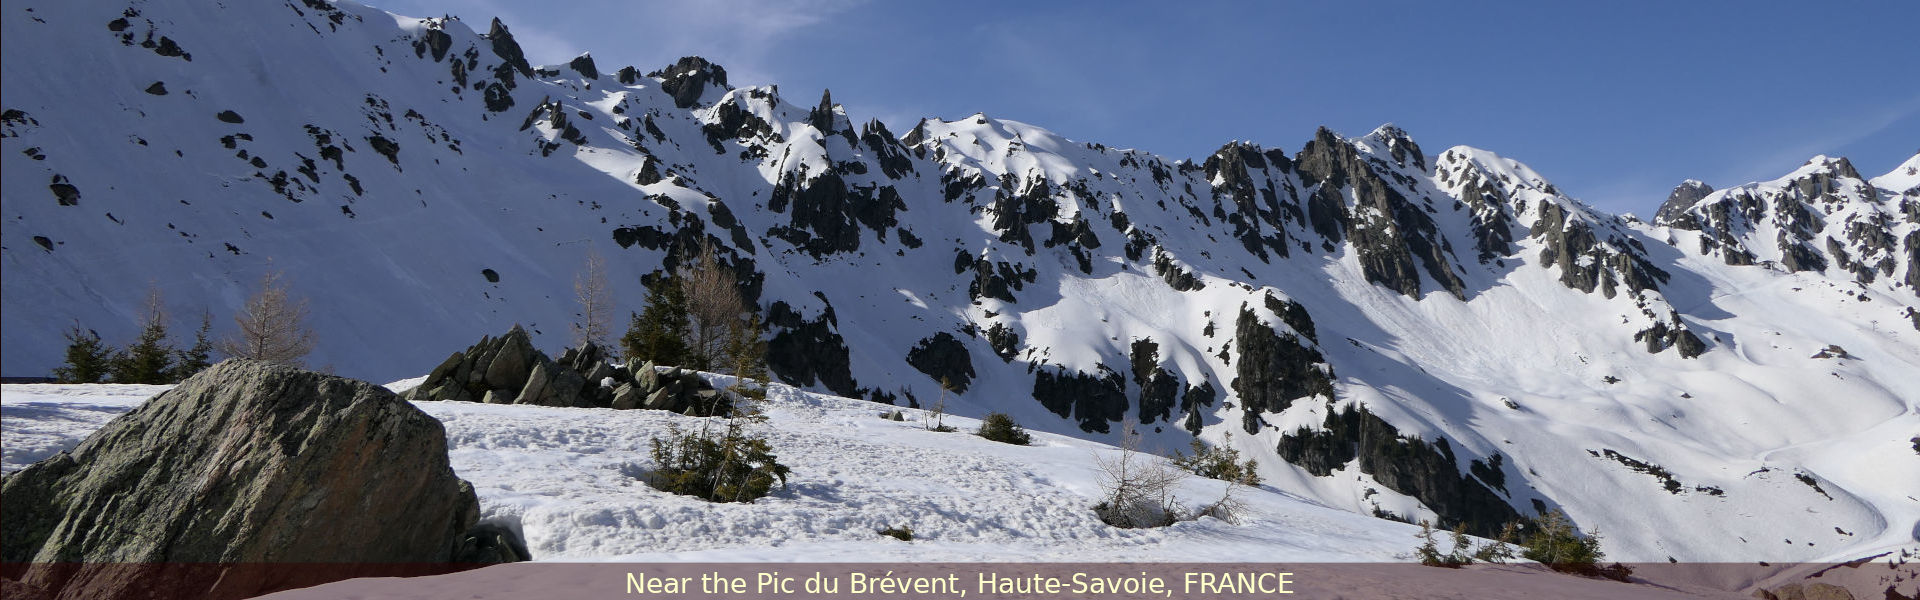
399	188
566	478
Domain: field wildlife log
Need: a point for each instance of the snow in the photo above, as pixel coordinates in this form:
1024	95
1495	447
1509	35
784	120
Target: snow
397	287
41	420
566	479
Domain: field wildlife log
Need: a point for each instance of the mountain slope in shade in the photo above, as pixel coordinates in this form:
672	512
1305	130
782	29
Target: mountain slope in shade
1439	335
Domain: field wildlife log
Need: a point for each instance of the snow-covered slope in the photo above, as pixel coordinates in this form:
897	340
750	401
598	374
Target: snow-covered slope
1387	331
568	479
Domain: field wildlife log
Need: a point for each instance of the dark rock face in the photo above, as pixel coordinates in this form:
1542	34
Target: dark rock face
998	280
822	117
1662	336
892	156
63	192
1181	280
1492	223
1004	340
508	370
583	64
943	358
1018	204
828	216
490	543
1093	400
1405	464
433	40
1912	246
1585	263
807	351
1258	210
688	78
1386	229
1673	212
1274	369
246	462
508	50
1158	386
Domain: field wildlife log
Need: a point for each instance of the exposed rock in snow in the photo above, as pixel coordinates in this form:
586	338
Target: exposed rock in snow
246	462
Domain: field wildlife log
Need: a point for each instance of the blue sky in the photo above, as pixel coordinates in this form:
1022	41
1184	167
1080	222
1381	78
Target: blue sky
1616	102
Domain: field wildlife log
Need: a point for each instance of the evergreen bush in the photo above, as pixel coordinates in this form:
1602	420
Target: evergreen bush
904	534
657	332
88	359
1560	547
730	467
1000	428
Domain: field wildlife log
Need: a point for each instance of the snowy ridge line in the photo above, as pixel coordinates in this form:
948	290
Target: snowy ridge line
425	185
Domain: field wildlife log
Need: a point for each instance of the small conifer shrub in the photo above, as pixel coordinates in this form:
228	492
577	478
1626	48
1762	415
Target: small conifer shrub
1000	428
729	467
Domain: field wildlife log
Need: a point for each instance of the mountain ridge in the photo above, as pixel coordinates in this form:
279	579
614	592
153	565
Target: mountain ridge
1347	291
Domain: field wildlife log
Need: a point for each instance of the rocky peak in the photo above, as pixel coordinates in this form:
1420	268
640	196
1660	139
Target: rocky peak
1673	212
822	116
688	78
1820	216
1399	145
507	49
1904	180
583	64
1244	175
1387	230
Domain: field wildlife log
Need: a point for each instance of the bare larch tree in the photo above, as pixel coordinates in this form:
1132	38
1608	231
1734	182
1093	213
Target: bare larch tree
272	326
714	307
590	290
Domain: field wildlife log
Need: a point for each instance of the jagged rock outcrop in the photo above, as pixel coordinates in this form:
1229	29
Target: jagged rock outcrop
1093	401
809	351
671	389
1573	245
1823	217
514	60
688	79
583	64
246	464
1158	386
508	370
945	359
1673	212
1258	208
1387	230
1273	369
1427	471
828	215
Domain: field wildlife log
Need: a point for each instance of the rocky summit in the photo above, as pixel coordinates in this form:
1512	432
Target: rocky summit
244	465
1397	328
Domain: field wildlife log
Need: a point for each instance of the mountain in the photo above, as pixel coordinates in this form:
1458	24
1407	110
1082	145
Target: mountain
1445	336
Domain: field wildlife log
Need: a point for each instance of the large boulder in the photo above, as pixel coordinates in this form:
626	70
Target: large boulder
243	465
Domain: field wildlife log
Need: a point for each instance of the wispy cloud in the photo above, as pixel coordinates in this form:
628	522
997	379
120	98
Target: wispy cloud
1831	139
742	35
